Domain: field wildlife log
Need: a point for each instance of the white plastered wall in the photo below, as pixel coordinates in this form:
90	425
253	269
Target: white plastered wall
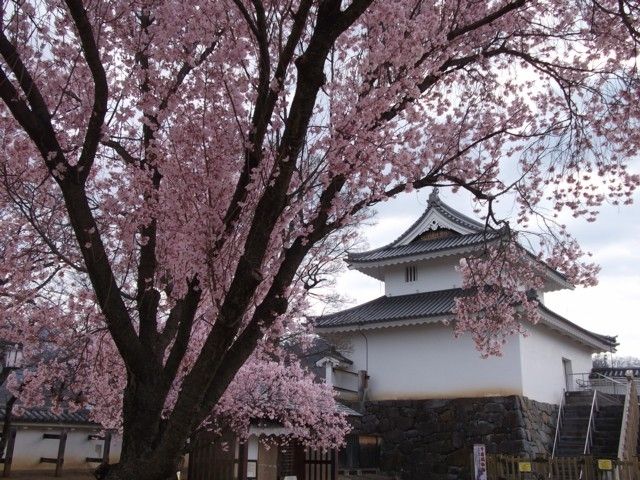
30	446
542	351
436	274
427	361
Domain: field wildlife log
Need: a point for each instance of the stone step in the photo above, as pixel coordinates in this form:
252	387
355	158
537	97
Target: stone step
569	451
575	420
572	443
606	441
583	411
608	421
577	411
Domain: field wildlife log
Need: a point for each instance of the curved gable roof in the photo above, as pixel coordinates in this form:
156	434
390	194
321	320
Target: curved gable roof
438	215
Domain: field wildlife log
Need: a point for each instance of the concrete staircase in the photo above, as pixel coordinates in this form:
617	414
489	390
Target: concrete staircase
575	423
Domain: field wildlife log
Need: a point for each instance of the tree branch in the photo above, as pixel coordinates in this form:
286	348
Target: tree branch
101	88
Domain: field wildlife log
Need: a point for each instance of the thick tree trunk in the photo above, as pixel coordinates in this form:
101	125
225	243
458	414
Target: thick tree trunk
140	458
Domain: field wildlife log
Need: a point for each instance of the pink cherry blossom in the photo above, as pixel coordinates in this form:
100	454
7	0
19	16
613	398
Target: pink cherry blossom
177	176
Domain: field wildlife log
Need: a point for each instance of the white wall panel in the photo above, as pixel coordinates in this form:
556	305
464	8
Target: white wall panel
437	274
542	370
426	361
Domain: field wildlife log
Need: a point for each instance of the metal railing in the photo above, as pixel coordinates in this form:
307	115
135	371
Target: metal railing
558	424
588	442
580	382
611	386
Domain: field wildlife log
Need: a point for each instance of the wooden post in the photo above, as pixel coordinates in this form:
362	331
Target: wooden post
62	443
299	461
61	446
106	450
334	464
242	460
8	458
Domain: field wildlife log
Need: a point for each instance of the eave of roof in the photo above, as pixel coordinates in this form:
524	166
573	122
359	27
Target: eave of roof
446	246
348	411
395	308
604	342
431	307
45	416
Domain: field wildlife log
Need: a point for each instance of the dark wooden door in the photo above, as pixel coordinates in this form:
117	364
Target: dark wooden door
319	465
212	458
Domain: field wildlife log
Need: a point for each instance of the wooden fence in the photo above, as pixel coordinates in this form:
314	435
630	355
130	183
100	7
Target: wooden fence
503	467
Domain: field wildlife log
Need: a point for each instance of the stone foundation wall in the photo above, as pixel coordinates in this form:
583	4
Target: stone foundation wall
433	439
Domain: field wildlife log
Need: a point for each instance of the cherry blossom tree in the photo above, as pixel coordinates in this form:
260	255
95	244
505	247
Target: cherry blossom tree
171	172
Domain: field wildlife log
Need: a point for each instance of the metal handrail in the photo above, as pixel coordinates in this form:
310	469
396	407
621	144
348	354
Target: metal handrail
589	438
611	379
595	381
558	423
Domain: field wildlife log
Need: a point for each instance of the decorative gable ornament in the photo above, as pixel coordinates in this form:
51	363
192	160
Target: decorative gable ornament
438	216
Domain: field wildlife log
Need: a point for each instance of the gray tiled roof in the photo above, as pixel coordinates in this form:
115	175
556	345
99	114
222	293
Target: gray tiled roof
348	411
43	415
318	349
607	339
422	247
424	305
402	307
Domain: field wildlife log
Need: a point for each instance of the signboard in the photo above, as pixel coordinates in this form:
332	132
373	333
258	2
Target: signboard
252	469
605	464
524	466
480	461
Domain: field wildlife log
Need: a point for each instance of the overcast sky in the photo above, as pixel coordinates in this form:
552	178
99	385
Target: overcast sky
612	307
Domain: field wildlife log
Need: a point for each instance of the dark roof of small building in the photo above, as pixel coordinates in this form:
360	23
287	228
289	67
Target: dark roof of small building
321	348
423	247
311	354
422	306
42	414
348	411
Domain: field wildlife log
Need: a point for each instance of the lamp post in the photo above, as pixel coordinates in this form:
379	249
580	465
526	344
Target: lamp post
12	357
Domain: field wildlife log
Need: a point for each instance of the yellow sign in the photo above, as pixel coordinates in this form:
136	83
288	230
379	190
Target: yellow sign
524	466
605	464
